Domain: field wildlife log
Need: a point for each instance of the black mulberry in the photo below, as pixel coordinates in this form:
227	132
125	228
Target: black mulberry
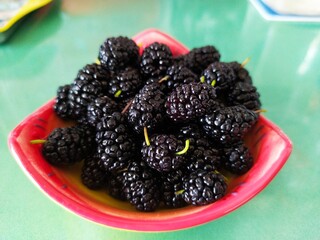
242	93
61	105
93	174
190	101
219	74
161	154
172	186
155	60
99	108
141	187
125	83
237	159
229	125
66	146
199	58
115	144
118	52
204	187
147	109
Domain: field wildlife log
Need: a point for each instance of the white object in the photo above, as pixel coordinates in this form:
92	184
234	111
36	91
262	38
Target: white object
289	10
299	7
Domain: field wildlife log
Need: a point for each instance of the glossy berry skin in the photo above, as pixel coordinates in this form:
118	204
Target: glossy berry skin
141	187
242	93
199	58
179	74
115	145
203	187
220	72
237	159
242	74
82	93
89	84
155	60
229	125
61	106
99	108
93	175
116	185
161	153
69	145
128	81
190	101
147	109
72	99
202	153
117	53
172	183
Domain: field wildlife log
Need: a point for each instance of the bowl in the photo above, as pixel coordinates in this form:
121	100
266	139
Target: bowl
267	142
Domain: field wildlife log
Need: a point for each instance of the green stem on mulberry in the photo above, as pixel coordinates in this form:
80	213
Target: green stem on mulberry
117	93
146	137
165	78
260	111
97	61
38	141
244	63
179	192
202	79
186	147
213	83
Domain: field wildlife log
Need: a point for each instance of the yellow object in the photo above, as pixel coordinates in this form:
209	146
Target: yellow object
183	151
17	10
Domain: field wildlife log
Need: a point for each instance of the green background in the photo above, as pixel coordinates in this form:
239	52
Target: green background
51	45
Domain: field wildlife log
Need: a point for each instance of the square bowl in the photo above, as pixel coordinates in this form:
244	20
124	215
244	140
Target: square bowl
269	146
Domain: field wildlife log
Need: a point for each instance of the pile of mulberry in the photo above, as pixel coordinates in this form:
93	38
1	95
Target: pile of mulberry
156	130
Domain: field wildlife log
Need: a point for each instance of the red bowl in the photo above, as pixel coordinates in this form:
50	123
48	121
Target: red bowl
268	144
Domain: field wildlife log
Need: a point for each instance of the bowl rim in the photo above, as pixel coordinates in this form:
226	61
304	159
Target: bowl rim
199	216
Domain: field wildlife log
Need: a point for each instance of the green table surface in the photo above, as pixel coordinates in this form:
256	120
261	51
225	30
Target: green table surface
52	44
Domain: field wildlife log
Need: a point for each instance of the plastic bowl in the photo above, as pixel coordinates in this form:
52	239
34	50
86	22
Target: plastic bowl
268	144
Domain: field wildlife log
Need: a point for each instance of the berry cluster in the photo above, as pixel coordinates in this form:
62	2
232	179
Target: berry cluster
156	129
